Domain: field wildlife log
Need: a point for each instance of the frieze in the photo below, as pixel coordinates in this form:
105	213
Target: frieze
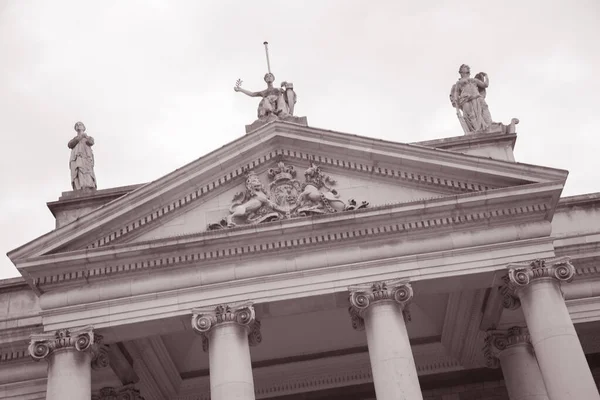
285	197
407	176
416	225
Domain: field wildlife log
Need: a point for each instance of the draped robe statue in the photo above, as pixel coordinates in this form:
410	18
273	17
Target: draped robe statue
468	95
82	159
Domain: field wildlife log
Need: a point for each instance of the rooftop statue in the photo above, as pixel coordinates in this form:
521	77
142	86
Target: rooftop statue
82	159
468	98
276	103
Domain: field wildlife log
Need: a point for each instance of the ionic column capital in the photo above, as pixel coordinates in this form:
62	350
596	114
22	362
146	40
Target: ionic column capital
44	345
497	341
560	269
124	393
242	314
522	274
363	296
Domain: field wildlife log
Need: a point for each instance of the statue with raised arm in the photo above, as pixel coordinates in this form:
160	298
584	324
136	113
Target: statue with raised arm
82	159
276	103
468	95
273	104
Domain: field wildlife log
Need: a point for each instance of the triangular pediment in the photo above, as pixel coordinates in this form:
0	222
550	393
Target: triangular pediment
376	172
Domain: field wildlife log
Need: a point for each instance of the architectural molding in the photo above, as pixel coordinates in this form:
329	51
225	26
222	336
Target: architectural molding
148	385
413	224
461	334
27	389
243	314
161	301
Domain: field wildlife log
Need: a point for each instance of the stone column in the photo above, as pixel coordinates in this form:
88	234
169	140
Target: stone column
512	349
378	308
71	354
124	393
536	287
227	332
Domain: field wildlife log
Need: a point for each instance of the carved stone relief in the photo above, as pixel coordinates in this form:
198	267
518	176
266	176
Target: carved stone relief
285	197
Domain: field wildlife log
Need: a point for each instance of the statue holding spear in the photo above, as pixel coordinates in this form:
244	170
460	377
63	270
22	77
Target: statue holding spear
276	103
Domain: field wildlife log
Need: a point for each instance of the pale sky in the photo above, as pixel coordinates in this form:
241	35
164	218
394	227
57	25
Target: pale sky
153	82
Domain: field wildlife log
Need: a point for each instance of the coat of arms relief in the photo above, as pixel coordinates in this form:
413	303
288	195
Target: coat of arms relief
285	197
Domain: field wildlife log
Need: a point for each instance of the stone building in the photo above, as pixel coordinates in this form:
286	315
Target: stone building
345	267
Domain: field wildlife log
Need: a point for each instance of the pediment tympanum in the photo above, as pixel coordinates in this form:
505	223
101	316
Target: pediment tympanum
289	189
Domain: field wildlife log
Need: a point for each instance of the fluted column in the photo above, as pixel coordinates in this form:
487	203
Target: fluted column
536	287
227	332
512	349
71	354
378	309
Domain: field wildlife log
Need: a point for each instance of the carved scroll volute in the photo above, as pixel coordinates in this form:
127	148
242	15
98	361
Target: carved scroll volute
242	314
521	275
363	296
83	340
497	341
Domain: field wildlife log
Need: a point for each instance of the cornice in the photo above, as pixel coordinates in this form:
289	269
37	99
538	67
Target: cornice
369	224
323	142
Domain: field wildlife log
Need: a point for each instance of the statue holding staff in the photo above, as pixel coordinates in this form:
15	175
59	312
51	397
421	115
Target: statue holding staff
276	103
82	159
468	95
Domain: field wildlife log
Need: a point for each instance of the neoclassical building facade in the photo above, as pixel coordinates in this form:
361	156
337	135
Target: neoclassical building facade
301	263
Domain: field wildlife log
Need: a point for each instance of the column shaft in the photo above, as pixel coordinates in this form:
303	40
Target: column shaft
230	365
522	374
559	353
227	332
69	375
392	362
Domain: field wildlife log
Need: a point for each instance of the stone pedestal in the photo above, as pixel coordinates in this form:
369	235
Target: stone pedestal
227	332
558	350
378	309
71	356
512	349
261	122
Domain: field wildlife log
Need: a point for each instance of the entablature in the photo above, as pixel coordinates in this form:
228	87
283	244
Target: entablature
494	211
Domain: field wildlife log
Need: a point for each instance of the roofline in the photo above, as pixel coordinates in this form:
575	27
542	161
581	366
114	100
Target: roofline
269	131
580	200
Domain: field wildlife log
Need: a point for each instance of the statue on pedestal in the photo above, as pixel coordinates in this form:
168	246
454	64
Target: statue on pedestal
468	98
82	159
276	103
468	95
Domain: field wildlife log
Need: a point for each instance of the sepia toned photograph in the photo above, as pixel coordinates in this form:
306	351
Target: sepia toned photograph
277	200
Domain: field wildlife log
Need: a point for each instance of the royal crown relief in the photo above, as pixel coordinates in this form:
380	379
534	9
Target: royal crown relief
285	197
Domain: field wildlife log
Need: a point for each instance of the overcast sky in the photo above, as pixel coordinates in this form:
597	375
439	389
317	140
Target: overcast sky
153	82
